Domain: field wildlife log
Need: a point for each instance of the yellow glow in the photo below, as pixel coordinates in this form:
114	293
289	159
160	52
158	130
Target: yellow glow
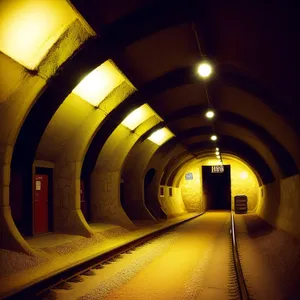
160	136
217	149
244	175
138	116
210	114
213	137
29	28
204	69
96	86
217	152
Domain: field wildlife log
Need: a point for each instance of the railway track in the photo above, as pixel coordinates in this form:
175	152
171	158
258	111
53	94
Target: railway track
45	289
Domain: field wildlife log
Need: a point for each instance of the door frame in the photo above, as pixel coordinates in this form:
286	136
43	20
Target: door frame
43	168
229	174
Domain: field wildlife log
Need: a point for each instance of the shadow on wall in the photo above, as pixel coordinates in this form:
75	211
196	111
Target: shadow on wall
279	204
150	193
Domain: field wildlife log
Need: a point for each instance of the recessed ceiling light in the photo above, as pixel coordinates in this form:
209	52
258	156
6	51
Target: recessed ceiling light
209	114
204	69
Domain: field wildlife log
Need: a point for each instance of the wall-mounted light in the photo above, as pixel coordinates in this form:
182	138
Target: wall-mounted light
138	116
28	29
160	136
214	137
96	86
204	69
210	114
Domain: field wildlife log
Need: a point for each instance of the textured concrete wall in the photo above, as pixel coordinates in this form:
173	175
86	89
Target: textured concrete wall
106	177
134	171
65	142
243	181
280	204
191	191
19	90
173	205
159	161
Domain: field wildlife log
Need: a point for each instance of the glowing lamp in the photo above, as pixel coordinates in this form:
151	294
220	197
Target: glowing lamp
209	114
160	136
213	137
99	83
204	69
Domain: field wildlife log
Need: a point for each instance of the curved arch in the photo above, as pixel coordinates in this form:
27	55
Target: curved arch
286	162
236	147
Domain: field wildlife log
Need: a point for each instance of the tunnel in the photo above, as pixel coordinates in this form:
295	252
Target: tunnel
121	118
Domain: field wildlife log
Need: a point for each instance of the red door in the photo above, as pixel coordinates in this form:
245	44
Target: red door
40	204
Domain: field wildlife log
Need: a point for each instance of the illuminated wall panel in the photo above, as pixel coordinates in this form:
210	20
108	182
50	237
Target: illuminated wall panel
161	136
96	86
29	28
138	116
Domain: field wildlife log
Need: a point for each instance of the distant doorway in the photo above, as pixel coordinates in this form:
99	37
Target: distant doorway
217	187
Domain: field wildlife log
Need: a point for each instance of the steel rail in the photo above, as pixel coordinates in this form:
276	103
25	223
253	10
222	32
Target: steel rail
237	264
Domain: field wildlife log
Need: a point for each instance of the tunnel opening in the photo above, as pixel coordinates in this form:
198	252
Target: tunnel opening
217	187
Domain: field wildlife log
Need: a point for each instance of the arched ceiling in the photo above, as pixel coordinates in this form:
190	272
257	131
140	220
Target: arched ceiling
153	44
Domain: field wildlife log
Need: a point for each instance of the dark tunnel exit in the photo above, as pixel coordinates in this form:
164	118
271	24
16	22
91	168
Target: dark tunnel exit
217	187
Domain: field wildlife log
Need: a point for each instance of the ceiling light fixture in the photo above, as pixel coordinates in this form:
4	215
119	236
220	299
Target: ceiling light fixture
204	69
210	114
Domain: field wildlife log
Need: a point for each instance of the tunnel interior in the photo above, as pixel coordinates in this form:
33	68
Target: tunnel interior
106	106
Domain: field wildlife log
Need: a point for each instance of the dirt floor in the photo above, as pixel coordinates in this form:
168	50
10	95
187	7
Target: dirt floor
191	262
270	259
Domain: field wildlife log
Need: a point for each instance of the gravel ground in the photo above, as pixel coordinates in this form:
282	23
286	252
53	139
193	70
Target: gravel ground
76	245
115	232
191	262
11	262
270	259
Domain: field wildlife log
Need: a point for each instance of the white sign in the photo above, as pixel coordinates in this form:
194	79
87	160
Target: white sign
217	169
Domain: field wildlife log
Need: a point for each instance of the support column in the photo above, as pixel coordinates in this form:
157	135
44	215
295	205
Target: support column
10	237
68	217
